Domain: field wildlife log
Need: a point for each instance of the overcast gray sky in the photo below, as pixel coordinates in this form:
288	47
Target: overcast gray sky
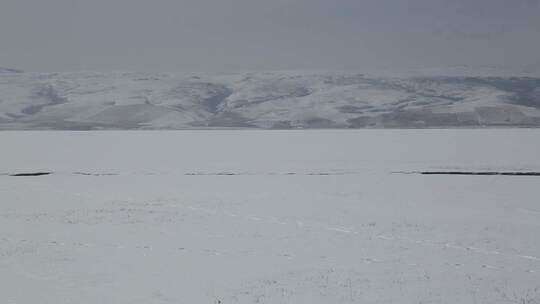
226	35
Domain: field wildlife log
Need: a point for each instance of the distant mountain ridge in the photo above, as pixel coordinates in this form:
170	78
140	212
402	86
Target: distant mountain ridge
268	100
8	70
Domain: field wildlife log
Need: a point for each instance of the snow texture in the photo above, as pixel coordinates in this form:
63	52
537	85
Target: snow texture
269	217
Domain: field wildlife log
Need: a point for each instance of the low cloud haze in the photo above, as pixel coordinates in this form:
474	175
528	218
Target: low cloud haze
218	35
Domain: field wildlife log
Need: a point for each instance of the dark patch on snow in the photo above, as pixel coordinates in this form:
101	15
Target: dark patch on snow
269	173
481	173
215	174
95	174
31	174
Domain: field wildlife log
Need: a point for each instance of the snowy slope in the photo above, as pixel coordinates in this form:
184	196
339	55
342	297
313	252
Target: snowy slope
116	100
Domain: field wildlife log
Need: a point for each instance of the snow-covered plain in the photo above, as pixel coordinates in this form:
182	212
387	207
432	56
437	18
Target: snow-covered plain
269	217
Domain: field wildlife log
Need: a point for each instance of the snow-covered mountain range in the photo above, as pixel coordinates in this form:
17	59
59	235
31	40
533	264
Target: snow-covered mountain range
282	100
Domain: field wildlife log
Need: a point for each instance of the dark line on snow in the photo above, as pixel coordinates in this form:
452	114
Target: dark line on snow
95	174
479	173
470	173
30	174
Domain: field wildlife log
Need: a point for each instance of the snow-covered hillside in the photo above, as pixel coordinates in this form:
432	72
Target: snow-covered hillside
117	100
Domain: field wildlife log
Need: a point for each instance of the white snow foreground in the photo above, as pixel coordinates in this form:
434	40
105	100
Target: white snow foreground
278	100
269	217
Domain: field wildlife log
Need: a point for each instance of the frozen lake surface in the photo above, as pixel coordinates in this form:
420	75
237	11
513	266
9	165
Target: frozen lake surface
269	217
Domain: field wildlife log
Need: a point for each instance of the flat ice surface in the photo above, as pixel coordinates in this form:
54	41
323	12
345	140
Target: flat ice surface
269	217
